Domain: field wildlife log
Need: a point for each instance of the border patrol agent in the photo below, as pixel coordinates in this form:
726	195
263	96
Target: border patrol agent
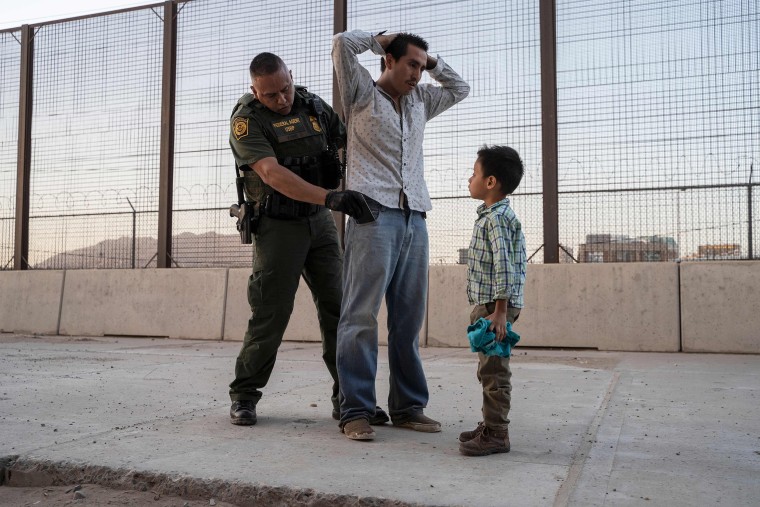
281	137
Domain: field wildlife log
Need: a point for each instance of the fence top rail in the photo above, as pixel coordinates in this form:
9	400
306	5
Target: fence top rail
87	16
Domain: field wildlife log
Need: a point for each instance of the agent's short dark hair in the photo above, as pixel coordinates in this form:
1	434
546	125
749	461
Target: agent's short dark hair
504	164
397	48
265	64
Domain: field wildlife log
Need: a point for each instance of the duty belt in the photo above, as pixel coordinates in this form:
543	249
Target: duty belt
278	206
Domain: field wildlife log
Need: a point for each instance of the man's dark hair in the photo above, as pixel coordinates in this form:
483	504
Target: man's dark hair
265	64
504	164
398	46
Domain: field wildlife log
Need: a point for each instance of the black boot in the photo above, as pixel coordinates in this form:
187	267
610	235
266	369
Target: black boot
243	413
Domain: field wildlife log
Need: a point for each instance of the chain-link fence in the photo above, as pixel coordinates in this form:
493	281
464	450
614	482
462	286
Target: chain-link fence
10	59
658	124
659	128
96	137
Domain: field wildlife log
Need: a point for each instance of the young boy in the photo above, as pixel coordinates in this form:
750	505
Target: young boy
495	280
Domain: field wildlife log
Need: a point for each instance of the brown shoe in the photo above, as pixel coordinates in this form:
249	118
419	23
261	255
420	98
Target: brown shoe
418	422
489	441
358	429
466	436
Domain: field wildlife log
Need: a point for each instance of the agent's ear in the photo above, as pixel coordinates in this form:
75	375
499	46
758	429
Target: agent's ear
491	182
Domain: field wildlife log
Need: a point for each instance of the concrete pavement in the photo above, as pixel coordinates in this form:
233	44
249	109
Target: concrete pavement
588	428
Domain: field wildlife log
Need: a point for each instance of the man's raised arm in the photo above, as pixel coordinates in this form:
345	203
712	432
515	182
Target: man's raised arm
354	81
453	88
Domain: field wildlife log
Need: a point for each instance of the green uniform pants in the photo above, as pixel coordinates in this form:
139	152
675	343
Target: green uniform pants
283	250
495	376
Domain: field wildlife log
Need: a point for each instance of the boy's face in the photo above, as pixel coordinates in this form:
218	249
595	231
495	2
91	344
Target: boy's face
480	185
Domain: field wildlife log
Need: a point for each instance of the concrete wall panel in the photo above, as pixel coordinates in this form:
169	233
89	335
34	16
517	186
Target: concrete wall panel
615	306
605	306
449	312
30	301
720	306
179	303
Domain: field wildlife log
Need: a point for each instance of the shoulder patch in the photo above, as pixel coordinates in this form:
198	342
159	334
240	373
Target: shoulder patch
240	128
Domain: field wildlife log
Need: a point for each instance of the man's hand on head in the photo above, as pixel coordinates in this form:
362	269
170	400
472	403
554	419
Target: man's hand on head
385	40
431	62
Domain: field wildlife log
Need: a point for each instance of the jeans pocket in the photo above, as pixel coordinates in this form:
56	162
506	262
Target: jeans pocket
375	208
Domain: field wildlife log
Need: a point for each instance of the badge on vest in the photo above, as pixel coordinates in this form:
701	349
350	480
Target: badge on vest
315	124
240	128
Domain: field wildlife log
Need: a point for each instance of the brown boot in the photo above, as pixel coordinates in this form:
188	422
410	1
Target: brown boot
466	436
489	441
358	429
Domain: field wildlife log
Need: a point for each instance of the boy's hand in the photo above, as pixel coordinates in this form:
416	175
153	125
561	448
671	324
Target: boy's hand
498	324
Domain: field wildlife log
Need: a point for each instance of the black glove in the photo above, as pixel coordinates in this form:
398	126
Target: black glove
351	203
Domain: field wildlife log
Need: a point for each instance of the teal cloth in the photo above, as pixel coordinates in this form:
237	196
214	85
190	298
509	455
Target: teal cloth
483	340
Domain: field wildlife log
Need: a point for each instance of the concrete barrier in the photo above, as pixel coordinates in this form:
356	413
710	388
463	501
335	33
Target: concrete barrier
178	303
604	306
617	306
449	311
720	306
30	301
303	325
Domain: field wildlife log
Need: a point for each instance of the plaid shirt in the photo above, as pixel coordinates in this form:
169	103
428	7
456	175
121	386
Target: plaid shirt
496	258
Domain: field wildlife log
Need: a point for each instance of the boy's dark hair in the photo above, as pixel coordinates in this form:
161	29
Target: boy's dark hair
504	164
265	64
397	48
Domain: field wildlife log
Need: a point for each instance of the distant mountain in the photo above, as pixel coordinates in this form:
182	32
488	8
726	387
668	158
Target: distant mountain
188	250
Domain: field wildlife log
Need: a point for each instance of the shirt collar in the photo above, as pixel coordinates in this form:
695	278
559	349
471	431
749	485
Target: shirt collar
483	209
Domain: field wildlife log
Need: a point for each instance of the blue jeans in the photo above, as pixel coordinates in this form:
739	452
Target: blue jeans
387	257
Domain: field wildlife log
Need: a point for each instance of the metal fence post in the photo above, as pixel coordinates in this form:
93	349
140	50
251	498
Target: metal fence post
340	24
547	13
134	231
24	159
750	250
166	178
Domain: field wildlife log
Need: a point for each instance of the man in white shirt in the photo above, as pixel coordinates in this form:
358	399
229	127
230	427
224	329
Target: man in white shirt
389	255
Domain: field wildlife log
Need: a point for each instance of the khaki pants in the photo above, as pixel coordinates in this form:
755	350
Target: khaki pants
494	375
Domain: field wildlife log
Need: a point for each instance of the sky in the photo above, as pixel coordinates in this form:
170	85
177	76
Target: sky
17	13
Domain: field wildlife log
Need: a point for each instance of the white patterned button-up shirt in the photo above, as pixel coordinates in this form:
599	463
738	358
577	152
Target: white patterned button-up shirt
384	156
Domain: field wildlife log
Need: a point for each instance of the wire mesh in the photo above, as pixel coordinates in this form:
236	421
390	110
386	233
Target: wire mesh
658	124
656	101
95	138
10	62
494	46
216	42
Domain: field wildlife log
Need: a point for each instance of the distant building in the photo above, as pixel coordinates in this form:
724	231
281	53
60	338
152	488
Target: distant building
730	251
619	248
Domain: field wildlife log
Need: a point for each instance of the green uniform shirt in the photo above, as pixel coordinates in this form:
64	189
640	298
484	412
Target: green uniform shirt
257	133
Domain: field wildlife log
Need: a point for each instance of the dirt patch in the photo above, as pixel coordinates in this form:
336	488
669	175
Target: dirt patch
31	482
94	495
